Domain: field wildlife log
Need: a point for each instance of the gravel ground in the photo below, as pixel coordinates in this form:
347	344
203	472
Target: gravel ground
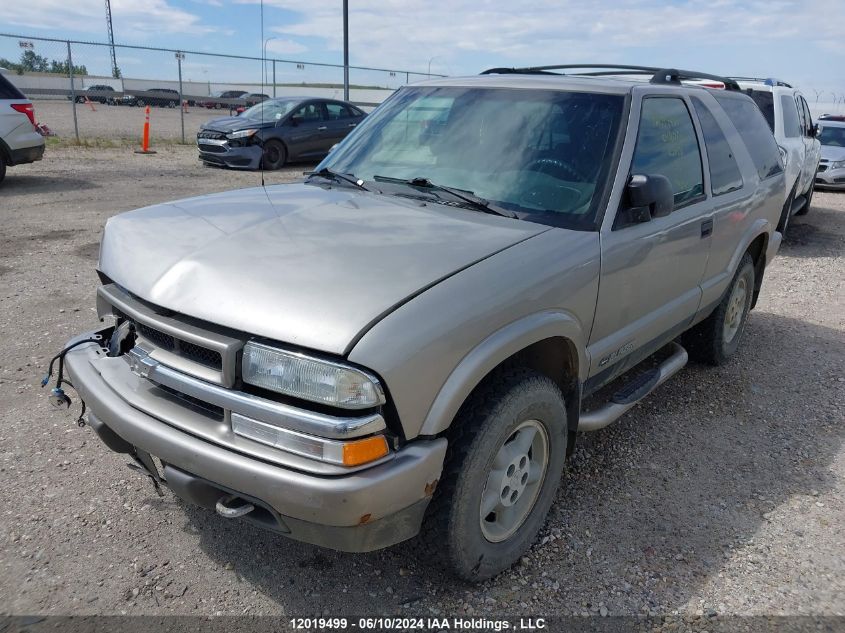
722	493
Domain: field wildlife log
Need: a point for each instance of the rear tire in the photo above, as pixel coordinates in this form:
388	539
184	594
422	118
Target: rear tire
275	155
2	167
714	340
506	454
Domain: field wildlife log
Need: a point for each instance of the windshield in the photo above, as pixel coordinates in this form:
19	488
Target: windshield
270	110
543	154
834	136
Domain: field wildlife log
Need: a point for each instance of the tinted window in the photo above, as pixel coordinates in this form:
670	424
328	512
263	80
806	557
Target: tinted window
766	102
791	124
724	172
807	114
755	133
309	112
833	136
8	91
337	111
667	145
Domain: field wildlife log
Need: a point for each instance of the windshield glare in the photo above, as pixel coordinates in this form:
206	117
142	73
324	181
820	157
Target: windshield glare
542	153
270	109
829	135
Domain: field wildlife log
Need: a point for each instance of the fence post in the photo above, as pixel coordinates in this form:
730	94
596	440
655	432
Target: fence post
179	56
72	90
274	78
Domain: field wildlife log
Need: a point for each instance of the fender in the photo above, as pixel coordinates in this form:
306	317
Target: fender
495	349
714	288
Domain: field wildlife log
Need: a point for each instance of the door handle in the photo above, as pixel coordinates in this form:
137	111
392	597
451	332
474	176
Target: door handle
352	124
321	128
706	228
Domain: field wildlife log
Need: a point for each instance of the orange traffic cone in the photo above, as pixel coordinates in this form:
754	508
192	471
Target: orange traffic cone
90	104
145	139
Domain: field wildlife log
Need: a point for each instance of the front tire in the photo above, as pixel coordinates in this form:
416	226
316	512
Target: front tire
506	455
274	156
2	167
714	340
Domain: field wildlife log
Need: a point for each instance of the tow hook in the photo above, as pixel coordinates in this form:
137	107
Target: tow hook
224	510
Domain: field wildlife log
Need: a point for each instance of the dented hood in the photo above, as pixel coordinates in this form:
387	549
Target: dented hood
302	264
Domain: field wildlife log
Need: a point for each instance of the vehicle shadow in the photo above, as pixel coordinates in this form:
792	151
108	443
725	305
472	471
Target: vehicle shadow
649	510
23	184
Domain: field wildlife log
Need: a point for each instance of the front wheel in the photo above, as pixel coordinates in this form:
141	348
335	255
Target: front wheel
506	455
714	340
2	167
274	156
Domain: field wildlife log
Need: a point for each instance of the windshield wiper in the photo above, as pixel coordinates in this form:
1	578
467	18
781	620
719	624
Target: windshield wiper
336	176
467	197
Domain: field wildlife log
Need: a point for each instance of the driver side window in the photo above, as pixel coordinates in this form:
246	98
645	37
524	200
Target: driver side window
308	113
667	145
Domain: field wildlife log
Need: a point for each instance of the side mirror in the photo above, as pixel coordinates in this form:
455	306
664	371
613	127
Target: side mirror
653	193
814	130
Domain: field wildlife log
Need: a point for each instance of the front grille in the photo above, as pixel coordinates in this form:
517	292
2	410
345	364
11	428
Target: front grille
204	407
188	351
211	149
211	134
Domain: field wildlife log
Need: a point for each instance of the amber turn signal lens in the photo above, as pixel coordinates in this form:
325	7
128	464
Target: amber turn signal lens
363	451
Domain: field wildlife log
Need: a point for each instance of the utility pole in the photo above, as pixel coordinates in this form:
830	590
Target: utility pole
346	50
115	71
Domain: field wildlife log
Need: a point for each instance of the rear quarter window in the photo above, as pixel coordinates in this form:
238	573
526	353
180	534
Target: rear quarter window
8	90
791	123
766	102
756	135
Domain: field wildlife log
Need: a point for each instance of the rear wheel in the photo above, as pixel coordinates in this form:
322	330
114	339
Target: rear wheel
505	459
2	167
140	103
275	155
714	340
171	104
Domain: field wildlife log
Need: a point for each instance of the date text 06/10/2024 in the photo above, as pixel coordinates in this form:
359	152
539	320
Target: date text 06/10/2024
421	624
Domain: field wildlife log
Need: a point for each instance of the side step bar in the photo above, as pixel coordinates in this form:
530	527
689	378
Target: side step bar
633	392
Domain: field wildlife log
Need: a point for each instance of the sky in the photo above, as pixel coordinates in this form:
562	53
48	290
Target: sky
800	41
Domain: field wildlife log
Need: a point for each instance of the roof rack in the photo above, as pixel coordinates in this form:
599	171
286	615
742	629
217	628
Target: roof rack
769	81
658	75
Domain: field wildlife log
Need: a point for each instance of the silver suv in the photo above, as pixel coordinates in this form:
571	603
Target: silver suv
20	141
405	342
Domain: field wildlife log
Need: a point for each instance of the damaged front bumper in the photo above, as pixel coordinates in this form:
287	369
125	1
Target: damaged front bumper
356	511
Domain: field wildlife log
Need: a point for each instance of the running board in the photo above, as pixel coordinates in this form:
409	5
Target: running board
797	204
634	391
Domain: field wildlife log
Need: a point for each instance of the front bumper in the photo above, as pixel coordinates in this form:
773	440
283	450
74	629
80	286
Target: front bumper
360	511
831	178
221	153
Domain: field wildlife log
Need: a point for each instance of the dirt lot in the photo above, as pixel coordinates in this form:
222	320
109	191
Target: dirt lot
723	493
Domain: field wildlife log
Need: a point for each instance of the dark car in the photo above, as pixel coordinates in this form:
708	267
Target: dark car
277	131
254	97
101	94
222	99
164	97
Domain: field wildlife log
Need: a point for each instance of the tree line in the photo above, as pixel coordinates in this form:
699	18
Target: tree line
31	62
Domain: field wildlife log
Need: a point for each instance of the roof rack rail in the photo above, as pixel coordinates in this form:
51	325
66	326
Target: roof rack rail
769	81
658	75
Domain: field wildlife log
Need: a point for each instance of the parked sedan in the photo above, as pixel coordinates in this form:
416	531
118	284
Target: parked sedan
164	97
831	174
277	131
100	93
221	99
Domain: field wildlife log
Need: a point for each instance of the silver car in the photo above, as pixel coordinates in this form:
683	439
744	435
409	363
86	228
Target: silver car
20	140
831	173
402	343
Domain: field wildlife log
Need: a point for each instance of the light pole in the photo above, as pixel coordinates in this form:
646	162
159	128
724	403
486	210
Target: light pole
346	50
431	59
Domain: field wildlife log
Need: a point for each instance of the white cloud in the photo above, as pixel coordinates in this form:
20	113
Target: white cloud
285	47
406	33
138	18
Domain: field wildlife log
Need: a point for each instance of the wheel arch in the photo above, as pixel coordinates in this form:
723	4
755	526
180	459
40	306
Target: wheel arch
758	249
551	343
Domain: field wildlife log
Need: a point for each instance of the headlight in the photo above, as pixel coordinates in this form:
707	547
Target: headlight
241	133
838	164
310	378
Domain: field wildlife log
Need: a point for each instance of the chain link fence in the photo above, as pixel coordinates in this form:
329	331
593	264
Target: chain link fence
79	92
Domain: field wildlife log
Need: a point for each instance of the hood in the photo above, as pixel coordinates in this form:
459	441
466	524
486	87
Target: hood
300	264
833	153
233	123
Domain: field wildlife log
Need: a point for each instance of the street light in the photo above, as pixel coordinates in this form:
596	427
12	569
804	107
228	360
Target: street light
264	63
431	59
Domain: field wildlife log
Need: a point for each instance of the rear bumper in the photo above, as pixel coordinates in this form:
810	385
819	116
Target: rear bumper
361	511
27	154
